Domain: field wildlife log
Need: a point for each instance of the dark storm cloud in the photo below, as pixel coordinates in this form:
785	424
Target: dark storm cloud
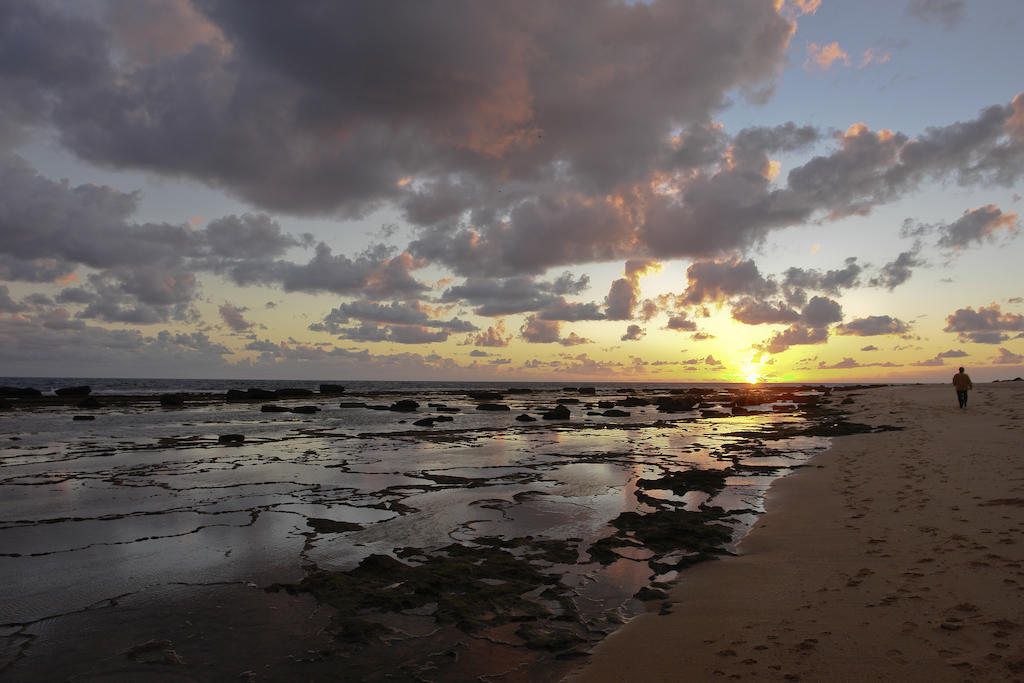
987	325
561	309
873	325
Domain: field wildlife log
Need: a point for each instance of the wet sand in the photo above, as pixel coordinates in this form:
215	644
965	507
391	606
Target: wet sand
895	555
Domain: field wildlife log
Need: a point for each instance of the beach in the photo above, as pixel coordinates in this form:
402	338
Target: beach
894	555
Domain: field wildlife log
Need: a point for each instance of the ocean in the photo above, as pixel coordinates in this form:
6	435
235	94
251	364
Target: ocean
524	539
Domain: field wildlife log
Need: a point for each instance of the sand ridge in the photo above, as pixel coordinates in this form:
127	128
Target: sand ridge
895	555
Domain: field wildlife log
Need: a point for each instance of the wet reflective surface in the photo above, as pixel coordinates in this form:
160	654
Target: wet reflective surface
106	522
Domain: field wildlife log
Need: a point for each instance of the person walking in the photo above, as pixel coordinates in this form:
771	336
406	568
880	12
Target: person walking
962	384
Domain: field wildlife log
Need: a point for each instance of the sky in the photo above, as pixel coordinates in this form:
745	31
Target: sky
516	190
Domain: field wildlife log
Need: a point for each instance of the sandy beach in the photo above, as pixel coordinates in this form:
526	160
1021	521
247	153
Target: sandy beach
894	555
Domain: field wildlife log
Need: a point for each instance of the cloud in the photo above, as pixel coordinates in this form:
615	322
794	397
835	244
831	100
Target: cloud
233	318
796	281
712	362
506	296
536	331
869	347
948	13
929	363
7	304
821	311
794	335
952	353
873	325
399	322
494	336
895	273
987	325
715	281
752	312
977	226
633	333
680	323
1007	357
848	363
822	57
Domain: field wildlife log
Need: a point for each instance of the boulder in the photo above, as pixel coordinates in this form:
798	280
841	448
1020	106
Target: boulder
560	412
231	439
588	391
351	404
83	390
615	413
19	392
567	400
425	422
493	406
632	402
332	389
6	405
525	418
674	404
305	410
484	395
605	405
444	418
172	400
404	406
293	392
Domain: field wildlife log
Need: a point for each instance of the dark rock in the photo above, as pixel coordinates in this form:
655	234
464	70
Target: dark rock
448	409
588	391
425	422
570	388
605	405
594	413
632	402
231	439
519	390
615	413
525	418
172	400
6	405
560	412
485	395
673	404
271	408
306	410
740	410
80	418
252	394
351	404
404	406
74	391
436	405
379	407
567	400
293	392
89	402
331	526
444	418
332	389
493	406
19	392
